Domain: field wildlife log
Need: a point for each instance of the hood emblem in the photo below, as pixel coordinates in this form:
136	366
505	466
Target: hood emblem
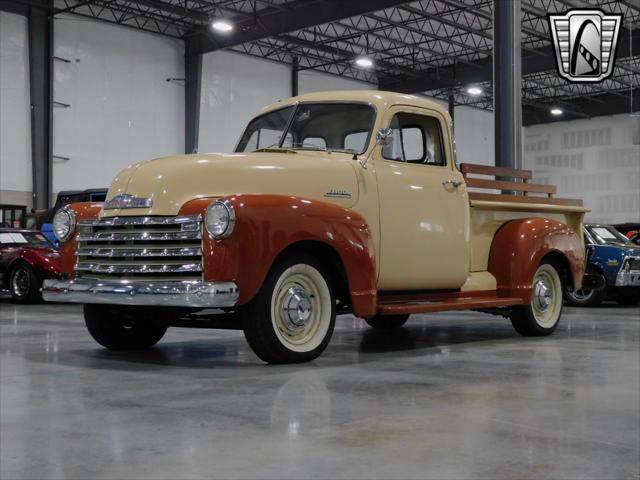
338	192
127	201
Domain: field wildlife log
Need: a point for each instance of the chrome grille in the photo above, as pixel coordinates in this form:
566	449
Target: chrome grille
141	248
634	264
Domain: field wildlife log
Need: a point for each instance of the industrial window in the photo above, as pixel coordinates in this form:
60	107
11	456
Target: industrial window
415	139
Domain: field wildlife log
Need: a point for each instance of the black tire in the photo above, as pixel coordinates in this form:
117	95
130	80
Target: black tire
122	328
387	322
24	284
270	335
586	298
532	320
628	299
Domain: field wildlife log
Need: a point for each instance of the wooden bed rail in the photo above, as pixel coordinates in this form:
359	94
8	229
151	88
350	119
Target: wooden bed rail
510	180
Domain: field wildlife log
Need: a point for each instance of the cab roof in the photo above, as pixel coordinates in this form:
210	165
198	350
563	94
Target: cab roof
380	99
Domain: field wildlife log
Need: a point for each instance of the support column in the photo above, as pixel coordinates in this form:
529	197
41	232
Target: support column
41	88
192	89
452	109
294	76
507	79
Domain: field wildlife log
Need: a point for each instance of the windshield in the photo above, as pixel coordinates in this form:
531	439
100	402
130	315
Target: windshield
605	235
312	126
33	239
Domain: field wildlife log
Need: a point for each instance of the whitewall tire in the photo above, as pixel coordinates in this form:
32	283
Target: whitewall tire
291	319
542	315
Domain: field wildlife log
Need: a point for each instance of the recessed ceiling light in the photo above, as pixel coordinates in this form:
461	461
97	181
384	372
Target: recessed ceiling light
556	111
364	62
475	91
222	26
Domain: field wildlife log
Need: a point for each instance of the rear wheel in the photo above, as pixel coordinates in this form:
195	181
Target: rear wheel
291	319
24	284
387	321
542	315
121	328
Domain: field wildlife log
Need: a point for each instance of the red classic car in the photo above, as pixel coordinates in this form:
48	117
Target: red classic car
26	259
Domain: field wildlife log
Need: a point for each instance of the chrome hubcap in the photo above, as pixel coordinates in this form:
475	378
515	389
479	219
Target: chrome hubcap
20	283
542	295
296	308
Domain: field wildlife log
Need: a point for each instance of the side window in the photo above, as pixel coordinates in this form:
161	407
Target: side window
416	139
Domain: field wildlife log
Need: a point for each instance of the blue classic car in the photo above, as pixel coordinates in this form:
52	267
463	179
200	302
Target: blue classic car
616	260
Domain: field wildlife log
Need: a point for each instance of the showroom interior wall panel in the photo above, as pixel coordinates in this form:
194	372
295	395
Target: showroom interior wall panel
122	109
311	81
234	87
15	123
592	159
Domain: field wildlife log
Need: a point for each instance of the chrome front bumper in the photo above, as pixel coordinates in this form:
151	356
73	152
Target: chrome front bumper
193	294
628	279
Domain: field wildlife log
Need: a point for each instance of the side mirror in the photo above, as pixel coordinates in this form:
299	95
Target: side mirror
384	137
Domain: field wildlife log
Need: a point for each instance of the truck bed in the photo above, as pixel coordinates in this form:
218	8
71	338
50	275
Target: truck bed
509	195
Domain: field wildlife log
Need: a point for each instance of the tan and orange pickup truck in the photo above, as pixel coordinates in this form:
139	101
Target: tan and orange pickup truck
332	203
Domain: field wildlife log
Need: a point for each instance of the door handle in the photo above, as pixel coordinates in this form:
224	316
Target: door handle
452	183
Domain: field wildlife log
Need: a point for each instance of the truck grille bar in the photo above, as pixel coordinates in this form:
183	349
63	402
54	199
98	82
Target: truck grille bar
140	248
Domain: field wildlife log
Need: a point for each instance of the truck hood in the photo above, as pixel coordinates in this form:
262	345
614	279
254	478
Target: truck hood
172	181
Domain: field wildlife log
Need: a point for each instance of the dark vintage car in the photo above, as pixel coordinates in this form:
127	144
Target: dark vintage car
26	259
616	260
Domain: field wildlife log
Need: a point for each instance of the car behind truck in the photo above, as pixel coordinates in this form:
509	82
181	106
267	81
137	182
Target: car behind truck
339	202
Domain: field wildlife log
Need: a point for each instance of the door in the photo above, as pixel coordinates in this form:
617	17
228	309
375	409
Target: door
424	208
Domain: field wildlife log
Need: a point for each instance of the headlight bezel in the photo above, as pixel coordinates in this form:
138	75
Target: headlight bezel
230	222
71	225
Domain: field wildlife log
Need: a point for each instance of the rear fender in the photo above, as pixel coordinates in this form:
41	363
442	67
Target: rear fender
519	246
268	224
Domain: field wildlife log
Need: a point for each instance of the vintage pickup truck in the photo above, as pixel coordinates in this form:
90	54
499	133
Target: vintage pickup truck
340	202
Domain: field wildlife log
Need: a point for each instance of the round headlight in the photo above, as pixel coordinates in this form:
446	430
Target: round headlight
220	219
64	223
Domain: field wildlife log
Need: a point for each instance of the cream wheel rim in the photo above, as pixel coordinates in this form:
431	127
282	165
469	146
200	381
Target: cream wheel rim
301	308
546	300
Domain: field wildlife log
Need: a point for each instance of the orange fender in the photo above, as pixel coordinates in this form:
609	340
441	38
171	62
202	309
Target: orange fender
520	245
268	224
83	211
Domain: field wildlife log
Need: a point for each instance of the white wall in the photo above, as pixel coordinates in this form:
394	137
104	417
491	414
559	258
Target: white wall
589	159
234	87
474	136
122	108
15	122
312	81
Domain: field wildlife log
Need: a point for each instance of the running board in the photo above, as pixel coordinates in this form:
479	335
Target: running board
442	305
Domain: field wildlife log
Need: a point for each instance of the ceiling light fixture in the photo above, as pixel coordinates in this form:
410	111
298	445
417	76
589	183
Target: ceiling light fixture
222	26
556	111
364	62
475	91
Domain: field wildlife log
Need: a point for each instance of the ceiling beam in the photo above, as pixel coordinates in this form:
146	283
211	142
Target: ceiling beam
458	75
273	21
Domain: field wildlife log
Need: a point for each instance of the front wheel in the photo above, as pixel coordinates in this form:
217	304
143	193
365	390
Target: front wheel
291	319
123	328
585	297
24	284
542	315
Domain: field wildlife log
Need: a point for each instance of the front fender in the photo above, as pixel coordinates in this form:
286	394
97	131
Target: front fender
268	224
46	265
83	211
519	246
